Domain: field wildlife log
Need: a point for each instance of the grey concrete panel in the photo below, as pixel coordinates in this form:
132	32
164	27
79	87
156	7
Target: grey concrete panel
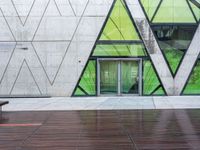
51	55
25	83
23	52
54	40
23	32
5	33
6	51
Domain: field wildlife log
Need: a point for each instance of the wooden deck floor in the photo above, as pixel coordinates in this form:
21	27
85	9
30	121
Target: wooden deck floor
100	130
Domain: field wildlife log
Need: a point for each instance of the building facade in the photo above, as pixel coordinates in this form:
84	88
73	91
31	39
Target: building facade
99	48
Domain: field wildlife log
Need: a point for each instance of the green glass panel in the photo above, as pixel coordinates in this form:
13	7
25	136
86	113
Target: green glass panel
173	57
150	7
78	92
129	77
135	50
193	85
174	11
88	80
119	25
160	91
196	10
150	79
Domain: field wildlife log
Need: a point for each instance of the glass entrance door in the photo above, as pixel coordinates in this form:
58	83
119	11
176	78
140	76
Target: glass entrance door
119	77
108	77
129	77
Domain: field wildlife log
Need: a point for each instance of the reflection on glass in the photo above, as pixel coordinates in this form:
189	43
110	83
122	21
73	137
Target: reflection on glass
129	77
108	77
193	84
174	36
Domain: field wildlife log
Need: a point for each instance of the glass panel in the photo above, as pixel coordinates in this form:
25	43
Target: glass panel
159	91
129	77
174	11
174	41
173	57
150	79
87	84
150	7
119	25
120	50
195	9
78	92
108	77
193	85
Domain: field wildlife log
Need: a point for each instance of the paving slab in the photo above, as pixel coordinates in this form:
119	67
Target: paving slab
102	103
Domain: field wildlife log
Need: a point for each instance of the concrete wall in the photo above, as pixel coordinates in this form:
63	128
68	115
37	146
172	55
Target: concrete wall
45	44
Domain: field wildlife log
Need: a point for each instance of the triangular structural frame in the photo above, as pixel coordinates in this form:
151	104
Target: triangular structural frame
195	10
174	49
118	28
150	7
173	53
171	11
82	91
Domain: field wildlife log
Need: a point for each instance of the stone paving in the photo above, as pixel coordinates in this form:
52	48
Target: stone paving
102	103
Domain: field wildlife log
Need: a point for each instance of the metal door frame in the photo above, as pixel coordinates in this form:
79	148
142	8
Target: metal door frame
119	75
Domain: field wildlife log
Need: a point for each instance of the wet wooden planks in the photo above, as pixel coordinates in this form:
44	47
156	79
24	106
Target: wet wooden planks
101	130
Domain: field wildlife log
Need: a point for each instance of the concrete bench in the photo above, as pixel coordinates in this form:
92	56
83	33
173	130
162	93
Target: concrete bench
2	103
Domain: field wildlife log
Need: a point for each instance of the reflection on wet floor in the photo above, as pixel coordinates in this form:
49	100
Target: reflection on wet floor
100	130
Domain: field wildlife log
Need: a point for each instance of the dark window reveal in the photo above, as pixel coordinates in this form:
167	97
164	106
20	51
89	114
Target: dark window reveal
174	40
174	36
